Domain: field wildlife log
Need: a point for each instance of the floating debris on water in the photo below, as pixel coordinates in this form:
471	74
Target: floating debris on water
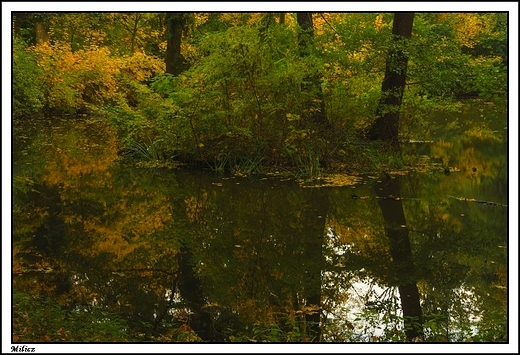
334	180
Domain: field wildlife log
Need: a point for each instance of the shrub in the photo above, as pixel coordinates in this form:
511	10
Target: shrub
28	98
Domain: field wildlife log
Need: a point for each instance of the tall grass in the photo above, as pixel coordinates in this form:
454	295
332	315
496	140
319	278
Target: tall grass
151	151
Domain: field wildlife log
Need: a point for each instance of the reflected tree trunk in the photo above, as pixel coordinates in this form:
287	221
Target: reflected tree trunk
191	291
389	193
314	229
50	237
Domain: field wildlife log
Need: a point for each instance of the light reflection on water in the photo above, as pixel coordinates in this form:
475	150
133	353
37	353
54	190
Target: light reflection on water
245	251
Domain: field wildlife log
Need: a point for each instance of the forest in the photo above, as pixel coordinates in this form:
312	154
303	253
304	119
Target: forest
257	92
253	177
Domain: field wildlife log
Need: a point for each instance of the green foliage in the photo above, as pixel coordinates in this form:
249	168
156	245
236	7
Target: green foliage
490	80
28	98
383	325
292	330
447	56
147	152
39	319
236	104
246	99
487	327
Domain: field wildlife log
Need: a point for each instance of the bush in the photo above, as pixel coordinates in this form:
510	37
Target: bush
40	319
28	98
54	79
241	102
75	79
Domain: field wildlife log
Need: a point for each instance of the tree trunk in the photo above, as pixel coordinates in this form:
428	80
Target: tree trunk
135	28
191	291
175	63
281	18
314	108
317	206
33	28
401	252
40	30
386	125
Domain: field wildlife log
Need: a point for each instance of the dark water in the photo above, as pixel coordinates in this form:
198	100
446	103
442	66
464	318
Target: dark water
250	259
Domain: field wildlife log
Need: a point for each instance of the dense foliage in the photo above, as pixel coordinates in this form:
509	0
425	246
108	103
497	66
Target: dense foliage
236	260
241	101
95	238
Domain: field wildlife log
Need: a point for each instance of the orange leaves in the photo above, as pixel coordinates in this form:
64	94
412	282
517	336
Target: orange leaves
73	78
113	243
141	67
78	157
126	233
90	75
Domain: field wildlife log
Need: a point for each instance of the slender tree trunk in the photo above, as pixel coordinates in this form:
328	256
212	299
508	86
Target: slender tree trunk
175	63
317	206
401	252
191	291
36	23
314	109
281	18
134	32
41	33
386	125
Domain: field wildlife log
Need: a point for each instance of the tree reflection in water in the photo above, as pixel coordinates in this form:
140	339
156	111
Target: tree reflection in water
196	257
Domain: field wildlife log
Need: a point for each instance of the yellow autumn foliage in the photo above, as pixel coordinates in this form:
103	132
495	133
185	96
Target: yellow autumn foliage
127	232
467	27
141	67
89	76
378	22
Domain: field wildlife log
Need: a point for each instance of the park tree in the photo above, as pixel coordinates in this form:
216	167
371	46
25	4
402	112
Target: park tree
175	62
386	125
314	108
256	89
32	27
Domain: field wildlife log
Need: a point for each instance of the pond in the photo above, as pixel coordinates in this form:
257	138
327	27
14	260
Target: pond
164	255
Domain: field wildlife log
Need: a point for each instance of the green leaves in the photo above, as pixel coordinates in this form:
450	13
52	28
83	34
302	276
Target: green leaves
28	98
39	319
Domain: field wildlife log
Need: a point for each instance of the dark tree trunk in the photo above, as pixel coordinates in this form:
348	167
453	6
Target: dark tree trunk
388	193
23	21
306	35
191	291
314	109
135	28
175	63
386	125
317	205
281	18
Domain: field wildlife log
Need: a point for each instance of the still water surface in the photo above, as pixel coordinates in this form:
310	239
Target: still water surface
219	256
